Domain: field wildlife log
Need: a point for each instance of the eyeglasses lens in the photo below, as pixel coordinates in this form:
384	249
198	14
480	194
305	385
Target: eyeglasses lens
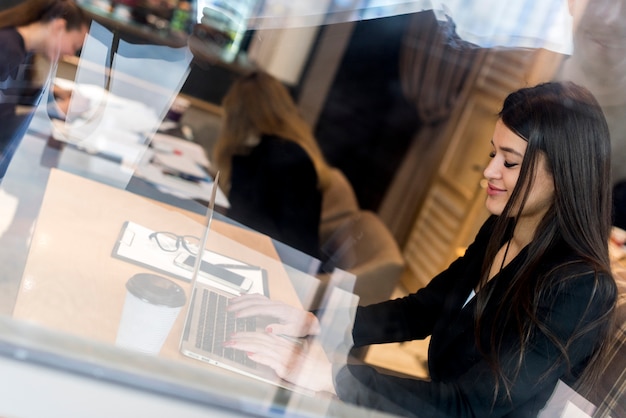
167	241
191	244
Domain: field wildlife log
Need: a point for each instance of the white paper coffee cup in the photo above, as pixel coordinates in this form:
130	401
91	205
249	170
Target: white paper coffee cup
150	309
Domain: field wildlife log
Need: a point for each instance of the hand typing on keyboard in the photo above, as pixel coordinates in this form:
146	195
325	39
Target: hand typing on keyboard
290	321
280	346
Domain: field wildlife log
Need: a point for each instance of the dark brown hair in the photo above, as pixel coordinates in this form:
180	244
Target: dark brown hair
67	10
31	11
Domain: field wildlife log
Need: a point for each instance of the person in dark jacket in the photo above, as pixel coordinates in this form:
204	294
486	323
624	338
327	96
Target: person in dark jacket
529	303
50	29
271	166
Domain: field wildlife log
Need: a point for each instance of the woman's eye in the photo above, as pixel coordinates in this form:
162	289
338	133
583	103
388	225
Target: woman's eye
506	163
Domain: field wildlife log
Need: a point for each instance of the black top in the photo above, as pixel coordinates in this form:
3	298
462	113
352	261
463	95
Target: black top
462	381
16	67
274	190
13	52
16	88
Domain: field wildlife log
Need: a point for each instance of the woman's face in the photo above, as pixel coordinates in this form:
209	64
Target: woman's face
503	171
62	42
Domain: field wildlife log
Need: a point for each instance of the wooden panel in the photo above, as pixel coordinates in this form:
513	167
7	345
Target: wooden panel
462	167
432	239
506	70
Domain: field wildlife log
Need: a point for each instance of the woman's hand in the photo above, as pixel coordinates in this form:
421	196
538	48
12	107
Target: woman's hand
296	362
291	321
64	97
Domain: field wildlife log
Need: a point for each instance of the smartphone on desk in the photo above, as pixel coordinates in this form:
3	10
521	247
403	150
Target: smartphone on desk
218	272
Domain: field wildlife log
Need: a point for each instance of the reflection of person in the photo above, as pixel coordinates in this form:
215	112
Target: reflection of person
598	62
271	166
58	29
528	304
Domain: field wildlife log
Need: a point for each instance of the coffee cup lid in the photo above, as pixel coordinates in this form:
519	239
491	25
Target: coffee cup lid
156	290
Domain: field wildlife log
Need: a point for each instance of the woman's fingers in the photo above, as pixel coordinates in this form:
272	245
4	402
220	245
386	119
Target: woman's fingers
262	341
252	304
291	321
290	360
249	299
271	350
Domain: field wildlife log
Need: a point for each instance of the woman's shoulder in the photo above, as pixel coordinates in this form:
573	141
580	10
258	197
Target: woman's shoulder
281	150
11	39
566	259
9	31
486	229
576	274
12	50
275	142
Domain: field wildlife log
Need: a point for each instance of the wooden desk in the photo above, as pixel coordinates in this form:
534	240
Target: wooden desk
72	284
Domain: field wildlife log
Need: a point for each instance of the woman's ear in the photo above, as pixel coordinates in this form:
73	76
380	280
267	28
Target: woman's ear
57	25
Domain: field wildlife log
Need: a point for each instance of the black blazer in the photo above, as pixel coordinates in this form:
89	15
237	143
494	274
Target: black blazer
462	382
17	87
274	190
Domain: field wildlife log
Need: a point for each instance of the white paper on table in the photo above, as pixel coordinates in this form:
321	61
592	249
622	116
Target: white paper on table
106	111
163	143
180	187
135	245
125	146
180	164
130	153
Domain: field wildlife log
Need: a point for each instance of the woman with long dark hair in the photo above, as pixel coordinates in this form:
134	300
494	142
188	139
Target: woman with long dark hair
529	304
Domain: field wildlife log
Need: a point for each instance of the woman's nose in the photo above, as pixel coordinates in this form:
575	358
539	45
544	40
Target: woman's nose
491	171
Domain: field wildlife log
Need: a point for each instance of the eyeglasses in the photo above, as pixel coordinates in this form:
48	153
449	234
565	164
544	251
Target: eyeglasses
171	242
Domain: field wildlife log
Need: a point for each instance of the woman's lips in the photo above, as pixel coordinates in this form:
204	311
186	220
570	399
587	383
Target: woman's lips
492	190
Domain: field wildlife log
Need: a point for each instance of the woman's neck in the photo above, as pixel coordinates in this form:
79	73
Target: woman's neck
524	233
522	236
33	36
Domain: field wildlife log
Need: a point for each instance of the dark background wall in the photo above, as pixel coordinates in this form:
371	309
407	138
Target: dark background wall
5	4
366	123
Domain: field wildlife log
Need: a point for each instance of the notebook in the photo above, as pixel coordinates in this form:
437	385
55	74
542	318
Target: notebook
135	244
207	324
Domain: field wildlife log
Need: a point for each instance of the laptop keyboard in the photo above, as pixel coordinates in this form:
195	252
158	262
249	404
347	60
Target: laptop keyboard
216	325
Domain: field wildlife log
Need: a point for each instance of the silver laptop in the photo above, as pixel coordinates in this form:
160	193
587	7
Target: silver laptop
208	325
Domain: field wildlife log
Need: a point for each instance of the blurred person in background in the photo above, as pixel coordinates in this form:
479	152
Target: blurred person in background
49	29
271	166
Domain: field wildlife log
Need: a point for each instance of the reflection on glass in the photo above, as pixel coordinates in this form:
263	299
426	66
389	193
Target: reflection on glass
224	23
123	104
68	230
